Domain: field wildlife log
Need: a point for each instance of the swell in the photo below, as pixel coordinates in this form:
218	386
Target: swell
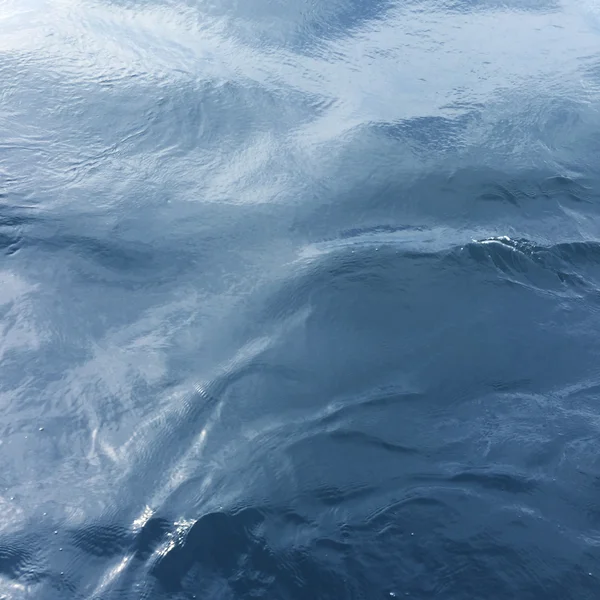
569	268
238	478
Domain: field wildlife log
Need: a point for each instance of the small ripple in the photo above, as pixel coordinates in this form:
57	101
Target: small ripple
563	187
564	268
15	560
499	193
496	480
21	561
103	541
560	268
14	222
330	495
362	438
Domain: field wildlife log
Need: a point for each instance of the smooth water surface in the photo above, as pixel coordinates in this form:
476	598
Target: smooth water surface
300	299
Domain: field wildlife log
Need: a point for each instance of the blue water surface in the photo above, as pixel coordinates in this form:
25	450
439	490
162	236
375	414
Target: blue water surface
300	299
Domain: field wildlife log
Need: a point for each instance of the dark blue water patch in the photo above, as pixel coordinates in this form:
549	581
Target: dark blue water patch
514	6
11	229
18	561
432	134
390	302
511	204
343	19
450	323
300	26
415	544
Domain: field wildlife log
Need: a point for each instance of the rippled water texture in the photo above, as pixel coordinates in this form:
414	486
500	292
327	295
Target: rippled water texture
299	299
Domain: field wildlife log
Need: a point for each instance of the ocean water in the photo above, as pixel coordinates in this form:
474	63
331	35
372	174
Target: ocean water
300	299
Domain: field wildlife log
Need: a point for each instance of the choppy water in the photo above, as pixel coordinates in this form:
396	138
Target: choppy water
299	299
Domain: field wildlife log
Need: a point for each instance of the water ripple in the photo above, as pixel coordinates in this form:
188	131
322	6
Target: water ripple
299	299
